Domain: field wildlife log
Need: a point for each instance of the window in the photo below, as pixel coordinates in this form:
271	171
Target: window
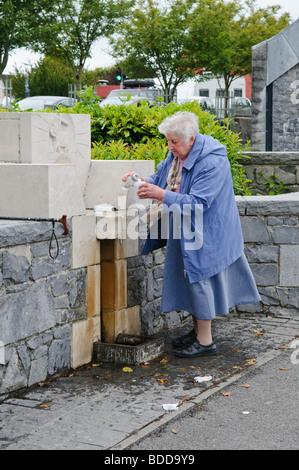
237	92
204	92
220	92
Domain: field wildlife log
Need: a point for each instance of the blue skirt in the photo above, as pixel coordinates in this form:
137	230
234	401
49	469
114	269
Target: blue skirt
235	285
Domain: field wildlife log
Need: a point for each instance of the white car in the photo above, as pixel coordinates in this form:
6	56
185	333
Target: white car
37	103
206	103
129	96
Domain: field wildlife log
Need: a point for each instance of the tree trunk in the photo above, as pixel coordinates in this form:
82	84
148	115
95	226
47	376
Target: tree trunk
226	84
3	63
78	80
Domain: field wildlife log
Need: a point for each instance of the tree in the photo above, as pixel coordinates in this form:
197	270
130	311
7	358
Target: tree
47	77
72	27
153	44
176	39
222	34
18	20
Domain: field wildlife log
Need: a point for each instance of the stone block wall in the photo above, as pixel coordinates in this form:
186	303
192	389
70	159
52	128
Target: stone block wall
285	126
51	310
50	150
271	235
40	298
258	97
262	166
275	86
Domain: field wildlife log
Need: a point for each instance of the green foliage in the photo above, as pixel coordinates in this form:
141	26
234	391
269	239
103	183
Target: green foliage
159	49
18	20
51	76
71	28
120	150
275	187
48	77
130	132
222	34
184	37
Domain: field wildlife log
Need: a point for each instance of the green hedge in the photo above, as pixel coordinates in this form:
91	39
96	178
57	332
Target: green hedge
130	132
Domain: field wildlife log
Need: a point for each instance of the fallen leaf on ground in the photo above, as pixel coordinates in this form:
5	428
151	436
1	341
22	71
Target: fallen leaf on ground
250	362
258	332
175	430
127	369
45	405
283	368
226	394
184	399
162	381
43	384
246	386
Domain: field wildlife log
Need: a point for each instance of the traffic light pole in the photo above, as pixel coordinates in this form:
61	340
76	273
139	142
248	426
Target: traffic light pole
122	79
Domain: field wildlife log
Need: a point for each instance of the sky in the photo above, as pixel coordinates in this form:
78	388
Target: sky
21	58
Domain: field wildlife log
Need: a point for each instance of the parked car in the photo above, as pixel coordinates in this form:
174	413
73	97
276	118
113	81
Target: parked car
206	103
241	106
37	103
129	96
236	107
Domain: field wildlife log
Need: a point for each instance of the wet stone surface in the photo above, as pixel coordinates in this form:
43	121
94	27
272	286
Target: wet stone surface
99	405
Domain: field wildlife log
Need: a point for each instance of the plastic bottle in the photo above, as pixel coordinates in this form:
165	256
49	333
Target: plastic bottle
135	181
136	186
100	210
130	181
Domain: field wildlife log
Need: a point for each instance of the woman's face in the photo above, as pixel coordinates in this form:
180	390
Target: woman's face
178	146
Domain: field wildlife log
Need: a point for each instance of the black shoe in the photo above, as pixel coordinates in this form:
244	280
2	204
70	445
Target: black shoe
184	340
196	350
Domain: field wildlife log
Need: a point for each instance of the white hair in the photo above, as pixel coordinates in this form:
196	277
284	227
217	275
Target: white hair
183	123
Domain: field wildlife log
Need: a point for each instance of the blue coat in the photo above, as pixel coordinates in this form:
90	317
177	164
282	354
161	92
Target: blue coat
206	183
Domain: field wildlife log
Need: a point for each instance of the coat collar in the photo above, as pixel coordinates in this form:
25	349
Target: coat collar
195	153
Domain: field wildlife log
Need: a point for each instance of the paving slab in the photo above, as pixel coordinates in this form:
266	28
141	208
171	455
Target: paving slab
101	407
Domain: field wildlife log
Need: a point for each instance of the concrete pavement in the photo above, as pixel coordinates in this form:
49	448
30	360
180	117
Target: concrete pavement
259	411
105	407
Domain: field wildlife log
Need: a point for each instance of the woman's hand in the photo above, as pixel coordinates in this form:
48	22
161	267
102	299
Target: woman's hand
126	176
150	191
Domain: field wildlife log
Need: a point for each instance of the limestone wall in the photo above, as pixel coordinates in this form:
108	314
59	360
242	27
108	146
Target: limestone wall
262	166
52	310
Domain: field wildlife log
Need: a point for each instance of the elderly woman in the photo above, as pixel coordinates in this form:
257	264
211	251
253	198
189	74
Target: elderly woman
207	278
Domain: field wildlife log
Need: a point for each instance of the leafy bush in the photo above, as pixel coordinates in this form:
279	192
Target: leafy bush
120	150
130	132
